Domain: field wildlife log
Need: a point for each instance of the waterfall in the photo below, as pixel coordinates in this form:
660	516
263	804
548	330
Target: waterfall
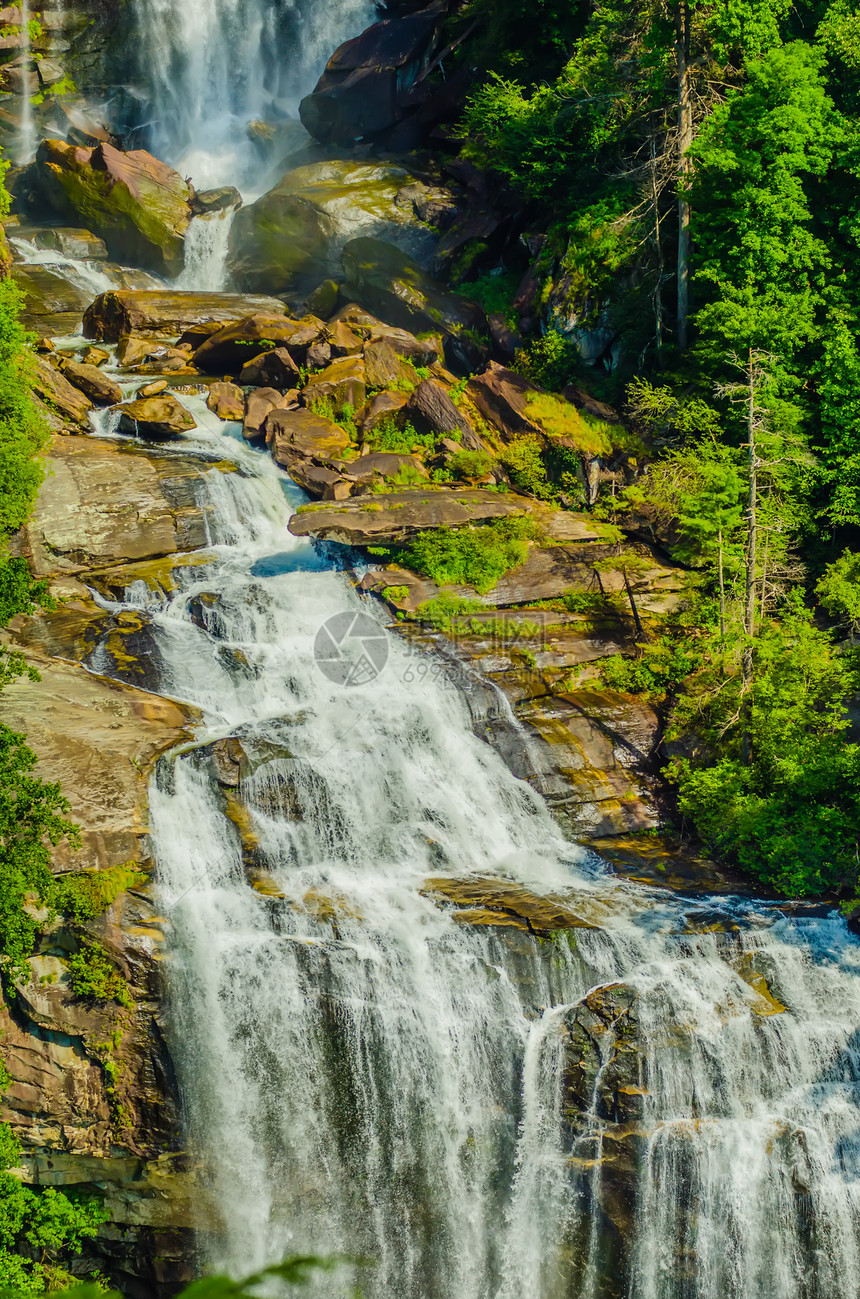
214	66
364	1073
206	242
27	136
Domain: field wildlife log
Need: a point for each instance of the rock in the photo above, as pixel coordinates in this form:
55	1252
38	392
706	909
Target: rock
132	350
383	464
357	197
384	368
432	411
500	902
258	406
420	351
169	312
342	384
276	240
153	389
137	204
90	380
163	416
382	407
604	1069
501	396
59	395
583	400
275	369
80	244
384	280
195	336
363	521
360	91
95	356
226	401
319	355
103	503
343	341
234	345
505	340
549	574
324	299
299	432
215	200
48	296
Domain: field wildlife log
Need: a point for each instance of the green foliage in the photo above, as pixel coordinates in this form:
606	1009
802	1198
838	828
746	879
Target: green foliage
84	895
468	465
838	590
445	610
32	817
565	425
495	293
476	557
387	435
94	977
548	360
40	1231
296	1271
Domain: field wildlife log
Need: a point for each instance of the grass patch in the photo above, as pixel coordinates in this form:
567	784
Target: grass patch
562	422
387	436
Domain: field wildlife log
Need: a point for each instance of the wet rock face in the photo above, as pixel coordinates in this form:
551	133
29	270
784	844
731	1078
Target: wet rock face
122	313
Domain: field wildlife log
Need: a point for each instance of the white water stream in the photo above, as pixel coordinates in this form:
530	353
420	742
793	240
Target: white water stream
362	1074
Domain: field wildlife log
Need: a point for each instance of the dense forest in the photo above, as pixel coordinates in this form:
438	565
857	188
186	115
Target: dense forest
700	163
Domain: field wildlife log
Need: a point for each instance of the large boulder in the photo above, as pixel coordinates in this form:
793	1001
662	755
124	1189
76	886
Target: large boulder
162	416
398	515
384	280
341	384
501	396
72	406
275	369
194	316
278	240
231	348
137	204
432	411
226	401
303	442
361	90
93	383
364	198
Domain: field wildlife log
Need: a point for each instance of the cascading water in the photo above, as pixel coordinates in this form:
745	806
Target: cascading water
363	1074
27	137
214	66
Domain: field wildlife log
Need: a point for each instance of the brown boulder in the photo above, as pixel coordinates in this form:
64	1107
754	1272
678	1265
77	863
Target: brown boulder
275	369
153	389
382	407
258	406
59	394
300	435
234	345
420	351
501	396
170	312
342	383
400	514
383	464
432	411
226	401
137	204
384	368
343	340
155	417
89	380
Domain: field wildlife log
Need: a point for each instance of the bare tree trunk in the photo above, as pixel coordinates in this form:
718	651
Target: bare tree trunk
752	542
685	139
658	292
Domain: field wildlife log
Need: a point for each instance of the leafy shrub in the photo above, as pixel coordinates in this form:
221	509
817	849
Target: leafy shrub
475	557
444	609
84	896
495	293
93	975
467	465
523	458
549	360
387	436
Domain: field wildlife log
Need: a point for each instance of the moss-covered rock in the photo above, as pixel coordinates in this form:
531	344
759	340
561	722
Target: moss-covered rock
137	204
277	241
